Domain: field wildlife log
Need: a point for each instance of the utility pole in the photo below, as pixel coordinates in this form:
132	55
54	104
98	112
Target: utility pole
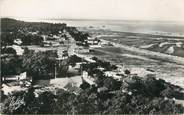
55	71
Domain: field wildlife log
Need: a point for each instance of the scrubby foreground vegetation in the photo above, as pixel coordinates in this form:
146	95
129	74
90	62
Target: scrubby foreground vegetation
131	95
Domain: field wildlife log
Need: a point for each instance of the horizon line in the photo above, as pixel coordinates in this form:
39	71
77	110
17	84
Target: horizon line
89	19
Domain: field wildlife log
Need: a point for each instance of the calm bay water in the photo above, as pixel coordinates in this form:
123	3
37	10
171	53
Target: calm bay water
131	26
152	27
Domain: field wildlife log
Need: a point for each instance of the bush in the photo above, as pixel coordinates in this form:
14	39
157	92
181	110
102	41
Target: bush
8	51
112	84
11	65
74	59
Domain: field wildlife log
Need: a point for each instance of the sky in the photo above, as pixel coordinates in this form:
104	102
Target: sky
169	10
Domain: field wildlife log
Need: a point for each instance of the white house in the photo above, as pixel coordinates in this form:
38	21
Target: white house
22	76
87	78
18	41
92	41
112	74
49	43
81	49
18	49
56	37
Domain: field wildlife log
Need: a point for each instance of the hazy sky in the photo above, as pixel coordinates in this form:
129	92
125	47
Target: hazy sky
95	9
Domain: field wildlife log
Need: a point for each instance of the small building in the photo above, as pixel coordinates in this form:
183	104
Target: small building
93	41
55	44
78	65
59	32
50	43
44	37
47	44
22	76
56	37
79	43
82	49
34	33
73	71
113	74
102	89
106	43
88	78
62	52
18	49
18	41
88	59
101	68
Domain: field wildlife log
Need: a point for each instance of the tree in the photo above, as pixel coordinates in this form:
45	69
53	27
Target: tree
46	102
40	64
11	65
127	72
8	51
7	39
112	84
74	59
64	103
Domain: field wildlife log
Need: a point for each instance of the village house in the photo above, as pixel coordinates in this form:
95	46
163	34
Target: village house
75	70
22	76
18	41
18	49
56	37
102	89
112	74
34	33
44	37
93	42
88	78
105	43
81	49
62	52
50	43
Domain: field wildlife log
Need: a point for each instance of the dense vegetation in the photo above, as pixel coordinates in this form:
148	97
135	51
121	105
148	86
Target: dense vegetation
8	51
74	59
134	95
30	32
92	68
39	65
11	65
11	25
77	35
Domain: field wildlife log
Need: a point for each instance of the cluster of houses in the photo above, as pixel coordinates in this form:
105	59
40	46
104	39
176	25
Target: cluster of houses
66	46
56	40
